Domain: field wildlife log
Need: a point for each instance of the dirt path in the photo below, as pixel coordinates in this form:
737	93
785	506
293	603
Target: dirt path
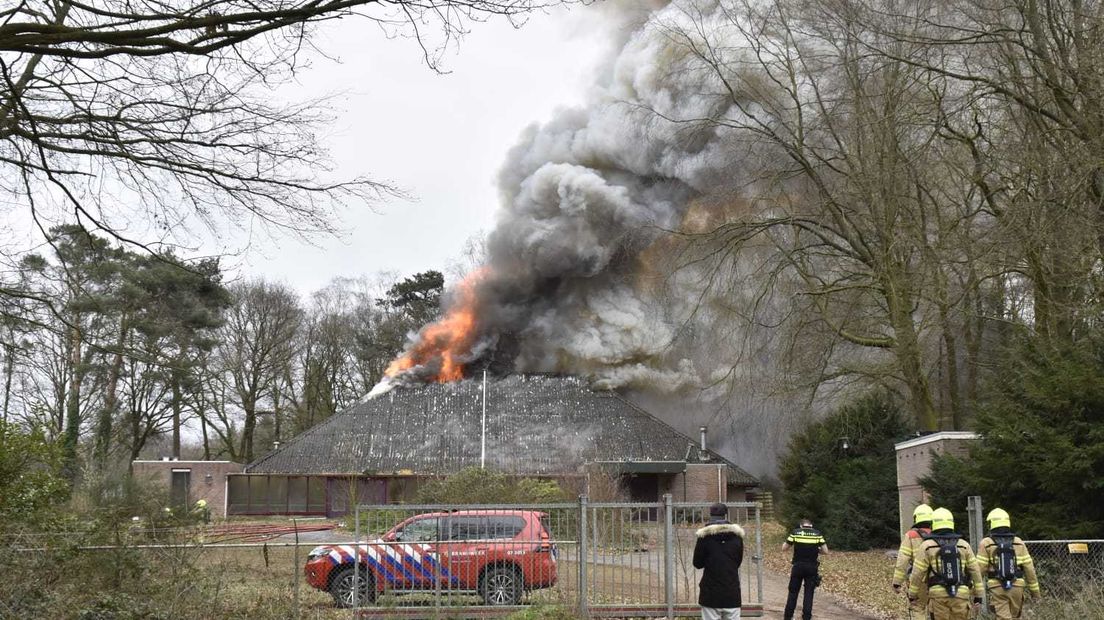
825	606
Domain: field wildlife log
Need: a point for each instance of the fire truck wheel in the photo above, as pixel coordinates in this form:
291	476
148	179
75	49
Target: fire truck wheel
341	587
501	585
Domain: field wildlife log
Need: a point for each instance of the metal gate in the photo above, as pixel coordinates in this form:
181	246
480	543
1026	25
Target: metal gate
598	559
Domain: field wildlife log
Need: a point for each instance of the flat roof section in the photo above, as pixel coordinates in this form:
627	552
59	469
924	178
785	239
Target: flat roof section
934	437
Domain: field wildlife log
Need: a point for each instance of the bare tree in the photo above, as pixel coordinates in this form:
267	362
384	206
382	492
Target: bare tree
141	117
850	184
257	343
1035	71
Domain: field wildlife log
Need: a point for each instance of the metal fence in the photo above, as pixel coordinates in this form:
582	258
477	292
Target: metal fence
433	561
174	571
1066	566
597	559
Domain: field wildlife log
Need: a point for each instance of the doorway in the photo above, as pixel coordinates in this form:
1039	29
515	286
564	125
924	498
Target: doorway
180	489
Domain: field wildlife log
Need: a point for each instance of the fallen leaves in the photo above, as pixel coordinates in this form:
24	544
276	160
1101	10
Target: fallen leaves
859	579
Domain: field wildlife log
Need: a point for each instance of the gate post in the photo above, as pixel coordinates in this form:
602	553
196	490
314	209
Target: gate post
975	514
356	561
668	555
759	550
582	556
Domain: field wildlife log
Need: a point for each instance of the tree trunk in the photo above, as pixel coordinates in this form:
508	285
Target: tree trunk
248	427
72	405
175	378
950	343
107	412
276	412
206	439
958	421
973	325
920	400
9	370
907	350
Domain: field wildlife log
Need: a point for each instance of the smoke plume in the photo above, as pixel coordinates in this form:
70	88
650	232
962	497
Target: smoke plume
580	275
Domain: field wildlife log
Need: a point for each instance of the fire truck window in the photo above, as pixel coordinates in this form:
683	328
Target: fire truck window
504	527
466	528
422	530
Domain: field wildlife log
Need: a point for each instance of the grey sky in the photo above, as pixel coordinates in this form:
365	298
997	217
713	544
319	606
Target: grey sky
440	137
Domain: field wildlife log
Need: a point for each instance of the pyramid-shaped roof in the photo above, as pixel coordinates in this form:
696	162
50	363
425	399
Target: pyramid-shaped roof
535	425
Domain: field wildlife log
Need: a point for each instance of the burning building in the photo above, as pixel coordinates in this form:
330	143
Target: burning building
541	426
590	272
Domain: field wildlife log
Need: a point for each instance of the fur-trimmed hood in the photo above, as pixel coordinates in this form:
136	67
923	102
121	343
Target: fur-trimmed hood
720	528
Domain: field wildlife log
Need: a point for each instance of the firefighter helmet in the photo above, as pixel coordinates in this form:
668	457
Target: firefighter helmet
998	518
921	513
942	519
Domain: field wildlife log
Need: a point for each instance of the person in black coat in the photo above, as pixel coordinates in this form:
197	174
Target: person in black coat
719	550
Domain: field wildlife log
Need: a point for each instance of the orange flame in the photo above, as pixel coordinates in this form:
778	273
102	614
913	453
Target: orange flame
448	339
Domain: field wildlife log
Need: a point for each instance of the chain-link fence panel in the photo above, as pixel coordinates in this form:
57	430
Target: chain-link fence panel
174	572
428	561
1066	566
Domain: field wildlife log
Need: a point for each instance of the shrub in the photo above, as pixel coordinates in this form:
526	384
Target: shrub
1041	452
116	606
31	484
484	486
851	494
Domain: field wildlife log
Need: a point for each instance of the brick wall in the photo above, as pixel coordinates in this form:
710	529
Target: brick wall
207	479
705	482
914	459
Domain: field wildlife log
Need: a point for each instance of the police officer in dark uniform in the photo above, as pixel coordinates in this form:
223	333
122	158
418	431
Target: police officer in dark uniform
808	544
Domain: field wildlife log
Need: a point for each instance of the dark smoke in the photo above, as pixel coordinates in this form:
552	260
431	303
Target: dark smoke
575	283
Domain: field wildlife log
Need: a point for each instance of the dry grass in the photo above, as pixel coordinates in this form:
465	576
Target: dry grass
267	584
860	579
1086	604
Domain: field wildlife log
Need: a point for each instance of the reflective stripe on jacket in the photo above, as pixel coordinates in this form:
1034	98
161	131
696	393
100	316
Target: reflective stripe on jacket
910	546
806	543
927	560
987	560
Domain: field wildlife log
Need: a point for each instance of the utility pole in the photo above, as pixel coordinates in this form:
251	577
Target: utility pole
483	429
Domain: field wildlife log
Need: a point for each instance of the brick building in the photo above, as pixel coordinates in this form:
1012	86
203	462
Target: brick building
914	460
190	481
539	426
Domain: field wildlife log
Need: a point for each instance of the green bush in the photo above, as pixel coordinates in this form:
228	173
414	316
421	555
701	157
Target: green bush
484	486
32	487
1041	453
949	482
117	606
850	494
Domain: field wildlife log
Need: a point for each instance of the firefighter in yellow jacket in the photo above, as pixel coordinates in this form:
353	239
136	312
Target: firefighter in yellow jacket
910	546
1004	560
946	570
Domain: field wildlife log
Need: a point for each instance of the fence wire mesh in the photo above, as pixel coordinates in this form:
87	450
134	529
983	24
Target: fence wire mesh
1066	566
433	561
161	573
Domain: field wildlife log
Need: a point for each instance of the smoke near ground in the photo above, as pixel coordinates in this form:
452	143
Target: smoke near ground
584	274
